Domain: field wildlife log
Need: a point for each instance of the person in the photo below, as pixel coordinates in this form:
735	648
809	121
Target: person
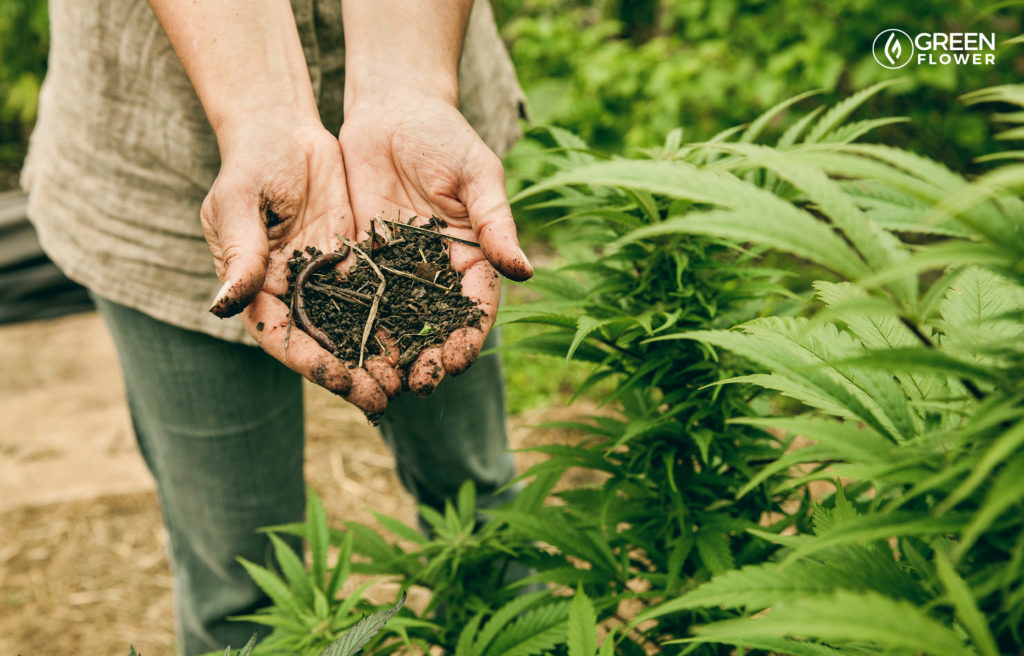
174	130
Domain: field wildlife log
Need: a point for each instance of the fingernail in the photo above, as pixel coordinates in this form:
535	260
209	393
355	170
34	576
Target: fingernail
526	261
220	298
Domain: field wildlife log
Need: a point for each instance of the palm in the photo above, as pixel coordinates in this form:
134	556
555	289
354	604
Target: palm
422	159
268	173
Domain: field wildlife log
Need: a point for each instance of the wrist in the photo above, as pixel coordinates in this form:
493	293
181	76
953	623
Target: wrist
384	89
236	123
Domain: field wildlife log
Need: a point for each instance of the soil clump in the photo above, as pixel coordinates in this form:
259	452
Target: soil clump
400	291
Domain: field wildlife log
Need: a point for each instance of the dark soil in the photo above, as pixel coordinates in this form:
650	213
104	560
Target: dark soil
418	309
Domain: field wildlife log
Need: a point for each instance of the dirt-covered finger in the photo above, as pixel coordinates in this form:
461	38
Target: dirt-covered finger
461	349
268	322
385	375
491	217
481	284
366	393
427	372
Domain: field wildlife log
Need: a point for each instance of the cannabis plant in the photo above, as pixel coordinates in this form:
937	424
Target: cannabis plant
807	354
910	384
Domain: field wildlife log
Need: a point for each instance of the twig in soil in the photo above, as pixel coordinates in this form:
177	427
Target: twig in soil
406	274
435	234
299	301
341	293
288	332
373	306
384	231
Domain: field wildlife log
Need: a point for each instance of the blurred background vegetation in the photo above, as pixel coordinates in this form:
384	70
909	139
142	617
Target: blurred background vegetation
624	73
24	39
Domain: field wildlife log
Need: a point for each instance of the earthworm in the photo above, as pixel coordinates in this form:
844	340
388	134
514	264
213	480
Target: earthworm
301	318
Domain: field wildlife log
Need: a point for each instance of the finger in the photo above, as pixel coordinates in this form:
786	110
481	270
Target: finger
491	217
461	349
385	376
481	284
300	353
383	367
427	372
238	240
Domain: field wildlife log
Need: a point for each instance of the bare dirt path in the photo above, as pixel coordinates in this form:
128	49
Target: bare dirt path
83	568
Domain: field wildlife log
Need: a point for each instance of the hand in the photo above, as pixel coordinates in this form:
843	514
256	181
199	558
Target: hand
415	154
280	188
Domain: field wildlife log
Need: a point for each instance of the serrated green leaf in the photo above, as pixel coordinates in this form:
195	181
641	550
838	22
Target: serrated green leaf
467	637
967	611
838	113
400	528
879	527
249	646
342	567
571	539
775	646
318	536
878	248
795	131
853	131
758	125
790	230
501	619
350	602
357	637
584	326
1006	492
996	454
534	632
293	570
466	504
714	551
282	597
582	632
865	617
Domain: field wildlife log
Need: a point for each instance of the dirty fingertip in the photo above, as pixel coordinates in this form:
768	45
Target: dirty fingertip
366	393
234	295
461	349
518	267
332	376
427	372
384	373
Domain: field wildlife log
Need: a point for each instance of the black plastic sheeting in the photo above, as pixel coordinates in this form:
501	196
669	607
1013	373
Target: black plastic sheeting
31	286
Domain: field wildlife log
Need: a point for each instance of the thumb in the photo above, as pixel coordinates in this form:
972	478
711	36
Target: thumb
238	240
491	217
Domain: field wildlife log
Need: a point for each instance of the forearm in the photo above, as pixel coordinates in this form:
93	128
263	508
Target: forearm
403	46
243	58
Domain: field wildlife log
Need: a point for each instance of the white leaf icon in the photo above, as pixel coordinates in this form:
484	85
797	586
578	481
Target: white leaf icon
893	49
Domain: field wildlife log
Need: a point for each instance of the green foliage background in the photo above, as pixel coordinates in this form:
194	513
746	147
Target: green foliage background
623	73
24	39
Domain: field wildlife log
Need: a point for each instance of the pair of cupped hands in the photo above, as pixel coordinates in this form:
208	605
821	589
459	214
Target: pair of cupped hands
287	183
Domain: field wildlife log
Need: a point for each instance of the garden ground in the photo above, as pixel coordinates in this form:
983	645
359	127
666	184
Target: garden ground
83	568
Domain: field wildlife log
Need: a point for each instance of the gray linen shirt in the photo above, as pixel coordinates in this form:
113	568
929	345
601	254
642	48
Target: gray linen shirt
122	154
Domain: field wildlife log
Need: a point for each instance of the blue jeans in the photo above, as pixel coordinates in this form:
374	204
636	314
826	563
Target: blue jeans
220	426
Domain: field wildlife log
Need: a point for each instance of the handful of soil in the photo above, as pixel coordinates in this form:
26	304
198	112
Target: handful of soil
401	285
